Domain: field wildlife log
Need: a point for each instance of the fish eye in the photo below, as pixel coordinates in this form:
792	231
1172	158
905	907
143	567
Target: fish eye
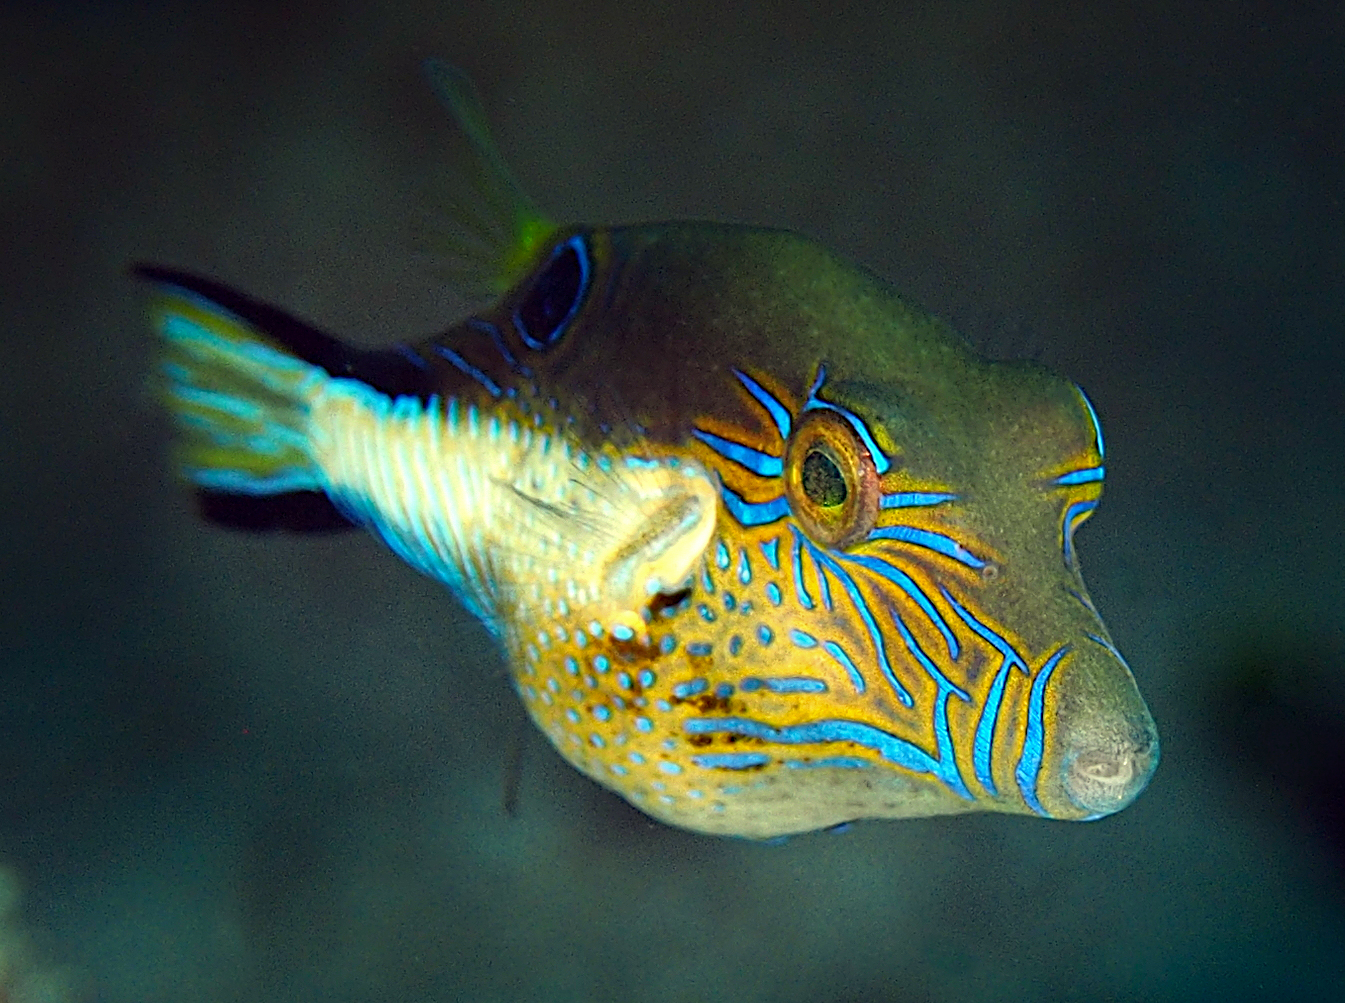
830	480
555	295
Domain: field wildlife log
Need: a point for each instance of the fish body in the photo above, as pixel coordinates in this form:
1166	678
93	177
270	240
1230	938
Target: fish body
767	548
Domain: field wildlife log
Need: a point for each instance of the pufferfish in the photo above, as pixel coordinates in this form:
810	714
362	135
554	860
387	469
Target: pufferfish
767	548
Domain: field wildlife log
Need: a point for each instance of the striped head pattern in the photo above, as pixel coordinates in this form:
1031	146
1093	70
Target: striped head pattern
784	553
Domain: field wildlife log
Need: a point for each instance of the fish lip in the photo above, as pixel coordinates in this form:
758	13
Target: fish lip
1103	775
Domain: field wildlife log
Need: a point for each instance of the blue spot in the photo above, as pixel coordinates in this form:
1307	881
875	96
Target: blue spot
571	666
735	644
572	714
622	633
770	549
689	689
700	648
663	705
601	663
730	603
636	758
803	639
602	712
724	691
623	680
646	678
598	740
773	593
765	635
744	567
722	556
668	644
707	614
644	724
669	768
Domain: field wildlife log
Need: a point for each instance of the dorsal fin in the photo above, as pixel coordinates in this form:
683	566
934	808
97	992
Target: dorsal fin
485	233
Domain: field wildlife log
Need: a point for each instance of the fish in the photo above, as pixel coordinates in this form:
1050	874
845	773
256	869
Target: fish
767	548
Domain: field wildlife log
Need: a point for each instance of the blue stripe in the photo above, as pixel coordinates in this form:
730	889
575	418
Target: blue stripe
1097	425
983	743
908	585
937	542
411	356
915	499
498	339
241	483
998	643
766	399
783	684
731	760
837	652
576	243
943	739
467	369
865	614
880	460
753	513
1085	476
890	747
830	762
1029	763
1110	648
759	463
236	407
823	587
1074	515
796	559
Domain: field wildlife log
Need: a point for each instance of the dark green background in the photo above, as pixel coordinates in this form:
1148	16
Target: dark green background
237	769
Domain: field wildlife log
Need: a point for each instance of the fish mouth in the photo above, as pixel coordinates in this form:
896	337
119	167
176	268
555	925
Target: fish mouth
1103	776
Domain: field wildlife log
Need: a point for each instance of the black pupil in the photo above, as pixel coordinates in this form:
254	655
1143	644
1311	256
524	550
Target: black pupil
823	482
552	297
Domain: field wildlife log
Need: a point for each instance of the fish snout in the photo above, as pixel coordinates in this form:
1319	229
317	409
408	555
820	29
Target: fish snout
1106	771
1108	744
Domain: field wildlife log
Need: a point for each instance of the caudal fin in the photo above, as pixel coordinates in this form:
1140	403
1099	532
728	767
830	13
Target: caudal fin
240	394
